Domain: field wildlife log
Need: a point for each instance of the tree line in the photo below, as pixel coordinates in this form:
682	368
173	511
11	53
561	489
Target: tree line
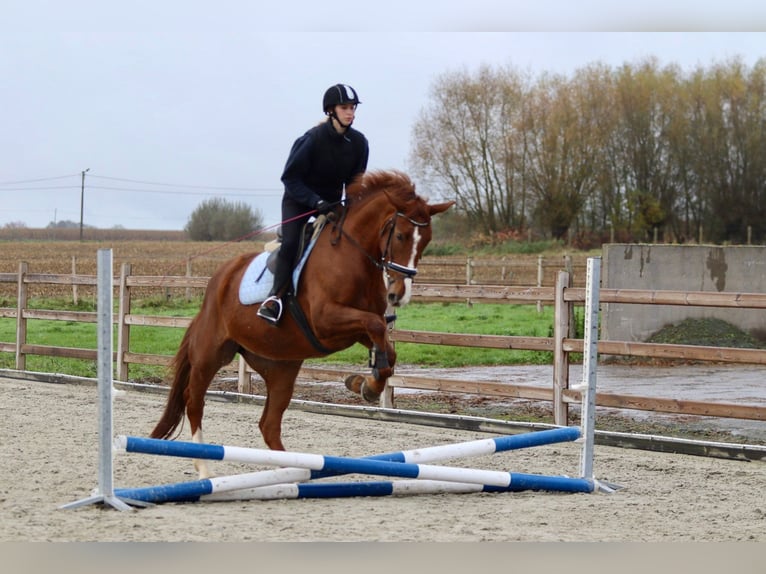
632	153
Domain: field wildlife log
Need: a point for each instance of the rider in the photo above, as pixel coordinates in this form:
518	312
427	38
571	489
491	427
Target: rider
321	163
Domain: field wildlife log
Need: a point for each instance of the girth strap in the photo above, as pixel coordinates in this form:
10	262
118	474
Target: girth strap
300	318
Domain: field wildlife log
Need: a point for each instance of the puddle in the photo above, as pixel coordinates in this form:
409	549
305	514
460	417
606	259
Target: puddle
740	384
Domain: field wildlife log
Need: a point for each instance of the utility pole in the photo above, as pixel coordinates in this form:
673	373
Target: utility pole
82	199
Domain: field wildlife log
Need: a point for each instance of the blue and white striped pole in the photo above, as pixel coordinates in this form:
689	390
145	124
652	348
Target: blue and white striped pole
420	455
315	466
482	446
245	487
519	482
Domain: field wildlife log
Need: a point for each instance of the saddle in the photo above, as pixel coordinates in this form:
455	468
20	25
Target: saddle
310	230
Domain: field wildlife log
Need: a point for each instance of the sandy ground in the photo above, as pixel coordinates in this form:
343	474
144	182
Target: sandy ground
49	444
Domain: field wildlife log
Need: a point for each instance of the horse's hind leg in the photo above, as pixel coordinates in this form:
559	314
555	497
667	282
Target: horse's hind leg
279	377
195	407
200	378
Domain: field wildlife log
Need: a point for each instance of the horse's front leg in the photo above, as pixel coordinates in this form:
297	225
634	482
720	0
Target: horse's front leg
382	361
339	326
382	367
371	387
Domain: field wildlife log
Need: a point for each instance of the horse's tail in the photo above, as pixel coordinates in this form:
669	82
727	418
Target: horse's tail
176	405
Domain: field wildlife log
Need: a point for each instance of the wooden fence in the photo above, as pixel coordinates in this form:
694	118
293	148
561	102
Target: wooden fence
562	296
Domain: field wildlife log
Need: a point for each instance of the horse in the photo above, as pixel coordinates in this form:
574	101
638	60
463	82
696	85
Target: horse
362	265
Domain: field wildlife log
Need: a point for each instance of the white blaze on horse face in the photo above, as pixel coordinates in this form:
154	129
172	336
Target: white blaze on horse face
416	238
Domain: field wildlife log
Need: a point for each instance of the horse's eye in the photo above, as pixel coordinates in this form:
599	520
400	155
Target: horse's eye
400	237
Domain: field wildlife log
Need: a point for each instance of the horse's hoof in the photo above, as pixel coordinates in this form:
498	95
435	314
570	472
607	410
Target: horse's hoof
369	395
354	383
203	471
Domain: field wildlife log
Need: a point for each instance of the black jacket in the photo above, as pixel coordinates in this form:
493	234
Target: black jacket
322	161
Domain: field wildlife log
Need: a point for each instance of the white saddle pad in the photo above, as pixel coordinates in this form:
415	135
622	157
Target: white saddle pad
257	280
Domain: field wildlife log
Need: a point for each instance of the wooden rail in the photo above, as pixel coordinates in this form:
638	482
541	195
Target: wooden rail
561	345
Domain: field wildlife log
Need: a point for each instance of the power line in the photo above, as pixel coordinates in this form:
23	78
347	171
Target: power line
40	188
38	179
137	190
247	191
101	190
170	192
219	188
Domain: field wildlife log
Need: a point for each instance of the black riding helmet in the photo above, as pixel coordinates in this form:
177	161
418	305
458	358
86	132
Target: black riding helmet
338	95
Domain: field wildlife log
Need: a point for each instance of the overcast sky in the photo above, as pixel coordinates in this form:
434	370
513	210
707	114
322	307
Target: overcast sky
169	103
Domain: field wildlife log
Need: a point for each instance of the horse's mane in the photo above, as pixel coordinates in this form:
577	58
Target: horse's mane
396	183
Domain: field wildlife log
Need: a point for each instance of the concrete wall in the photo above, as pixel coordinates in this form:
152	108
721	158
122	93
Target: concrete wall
739	269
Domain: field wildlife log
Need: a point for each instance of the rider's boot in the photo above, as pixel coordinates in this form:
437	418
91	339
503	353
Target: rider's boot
271	308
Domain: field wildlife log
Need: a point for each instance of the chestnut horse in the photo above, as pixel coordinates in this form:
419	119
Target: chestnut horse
361	263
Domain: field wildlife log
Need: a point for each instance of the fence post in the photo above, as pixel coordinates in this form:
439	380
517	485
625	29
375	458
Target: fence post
540	275
569	267
21	323
387	396
188	274
123	328
75	297
560	357
469	276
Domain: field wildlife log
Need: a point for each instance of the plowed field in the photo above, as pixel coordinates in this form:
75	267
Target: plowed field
155	258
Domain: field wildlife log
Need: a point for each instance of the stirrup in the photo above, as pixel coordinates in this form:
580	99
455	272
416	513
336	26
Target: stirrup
266	311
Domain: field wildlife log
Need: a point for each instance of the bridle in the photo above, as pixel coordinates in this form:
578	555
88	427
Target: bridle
385	263
389	264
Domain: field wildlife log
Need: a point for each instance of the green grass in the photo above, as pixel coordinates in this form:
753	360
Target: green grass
492	319
483	319
505	248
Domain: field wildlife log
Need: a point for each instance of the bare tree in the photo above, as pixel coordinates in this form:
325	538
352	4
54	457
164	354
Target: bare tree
731	135
564	143
467	144
636	149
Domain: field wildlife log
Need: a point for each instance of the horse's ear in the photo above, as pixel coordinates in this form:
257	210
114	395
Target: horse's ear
439	207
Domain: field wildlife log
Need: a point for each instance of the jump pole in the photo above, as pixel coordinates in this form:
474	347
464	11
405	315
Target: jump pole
105	492
410	487
521	482
421	455
308	466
